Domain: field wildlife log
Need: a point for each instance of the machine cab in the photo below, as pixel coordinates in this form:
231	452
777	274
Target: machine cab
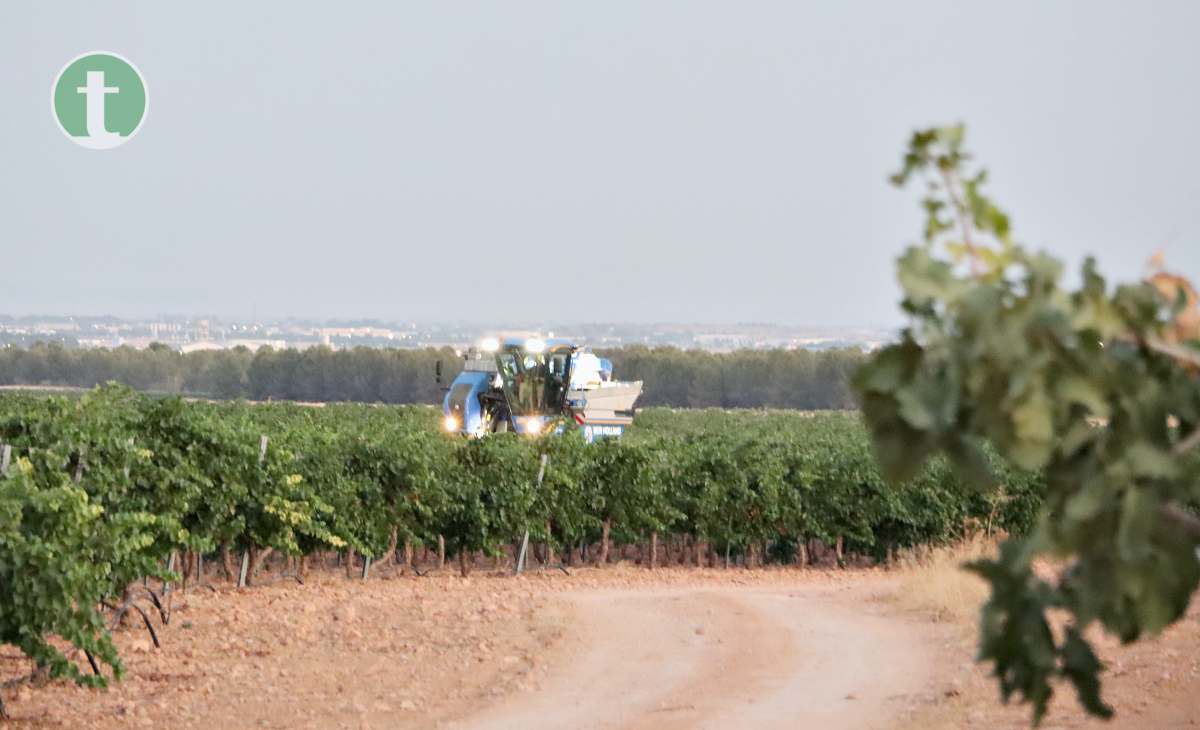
535	376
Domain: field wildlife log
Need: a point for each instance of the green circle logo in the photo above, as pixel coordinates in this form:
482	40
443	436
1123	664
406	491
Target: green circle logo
99	100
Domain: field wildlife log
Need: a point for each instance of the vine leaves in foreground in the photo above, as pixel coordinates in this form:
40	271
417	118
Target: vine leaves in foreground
1094	386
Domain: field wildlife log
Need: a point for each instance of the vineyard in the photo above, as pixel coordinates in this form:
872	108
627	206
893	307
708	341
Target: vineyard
102	491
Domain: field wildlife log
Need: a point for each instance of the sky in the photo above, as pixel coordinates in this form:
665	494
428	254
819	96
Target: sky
681	161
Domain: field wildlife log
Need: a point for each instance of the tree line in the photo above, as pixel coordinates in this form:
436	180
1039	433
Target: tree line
798	379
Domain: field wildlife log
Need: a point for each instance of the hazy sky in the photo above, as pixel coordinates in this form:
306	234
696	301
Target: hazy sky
638	161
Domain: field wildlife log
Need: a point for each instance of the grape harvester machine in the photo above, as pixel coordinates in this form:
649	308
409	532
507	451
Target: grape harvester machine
533	386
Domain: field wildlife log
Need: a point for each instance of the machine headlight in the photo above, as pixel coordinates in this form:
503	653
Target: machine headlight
533	427
534	345
489	344
450	423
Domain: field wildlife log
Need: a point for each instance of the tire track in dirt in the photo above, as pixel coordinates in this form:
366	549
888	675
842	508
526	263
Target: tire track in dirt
717	657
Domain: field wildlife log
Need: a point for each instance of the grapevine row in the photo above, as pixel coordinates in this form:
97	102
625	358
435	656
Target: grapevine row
101	491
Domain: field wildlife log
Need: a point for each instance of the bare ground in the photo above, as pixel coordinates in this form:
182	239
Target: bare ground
768	656
614	648
1152	685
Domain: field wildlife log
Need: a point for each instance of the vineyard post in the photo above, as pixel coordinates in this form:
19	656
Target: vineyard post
166	586
525	540
5	457
244	574
366	566
521	554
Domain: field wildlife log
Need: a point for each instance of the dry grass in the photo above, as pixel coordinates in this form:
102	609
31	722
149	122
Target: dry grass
934	582
1151	683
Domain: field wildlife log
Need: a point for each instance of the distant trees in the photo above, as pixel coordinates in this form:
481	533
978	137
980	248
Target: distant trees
673	377
740	379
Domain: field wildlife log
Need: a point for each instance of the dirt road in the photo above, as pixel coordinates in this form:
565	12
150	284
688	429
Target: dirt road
620	647
615	648
808	655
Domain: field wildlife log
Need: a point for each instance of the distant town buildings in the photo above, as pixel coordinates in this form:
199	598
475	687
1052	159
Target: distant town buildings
185	334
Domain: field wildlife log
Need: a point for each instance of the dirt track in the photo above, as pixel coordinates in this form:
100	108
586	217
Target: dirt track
621	647
808	655
617	648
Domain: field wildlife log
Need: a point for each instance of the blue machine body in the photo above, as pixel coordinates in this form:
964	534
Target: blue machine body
462	400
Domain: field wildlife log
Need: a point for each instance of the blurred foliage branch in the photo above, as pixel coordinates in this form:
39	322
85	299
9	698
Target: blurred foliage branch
1095	387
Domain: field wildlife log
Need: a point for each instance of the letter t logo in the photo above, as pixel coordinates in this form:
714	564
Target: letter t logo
99	100
95	92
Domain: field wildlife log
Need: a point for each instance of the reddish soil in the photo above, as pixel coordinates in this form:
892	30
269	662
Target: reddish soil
1152	684
783	654
620	647
332	653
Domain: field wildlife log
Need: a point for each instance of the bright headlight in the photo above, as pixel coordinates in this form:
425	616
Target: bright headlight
450	423
534	345
489	344
533	426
